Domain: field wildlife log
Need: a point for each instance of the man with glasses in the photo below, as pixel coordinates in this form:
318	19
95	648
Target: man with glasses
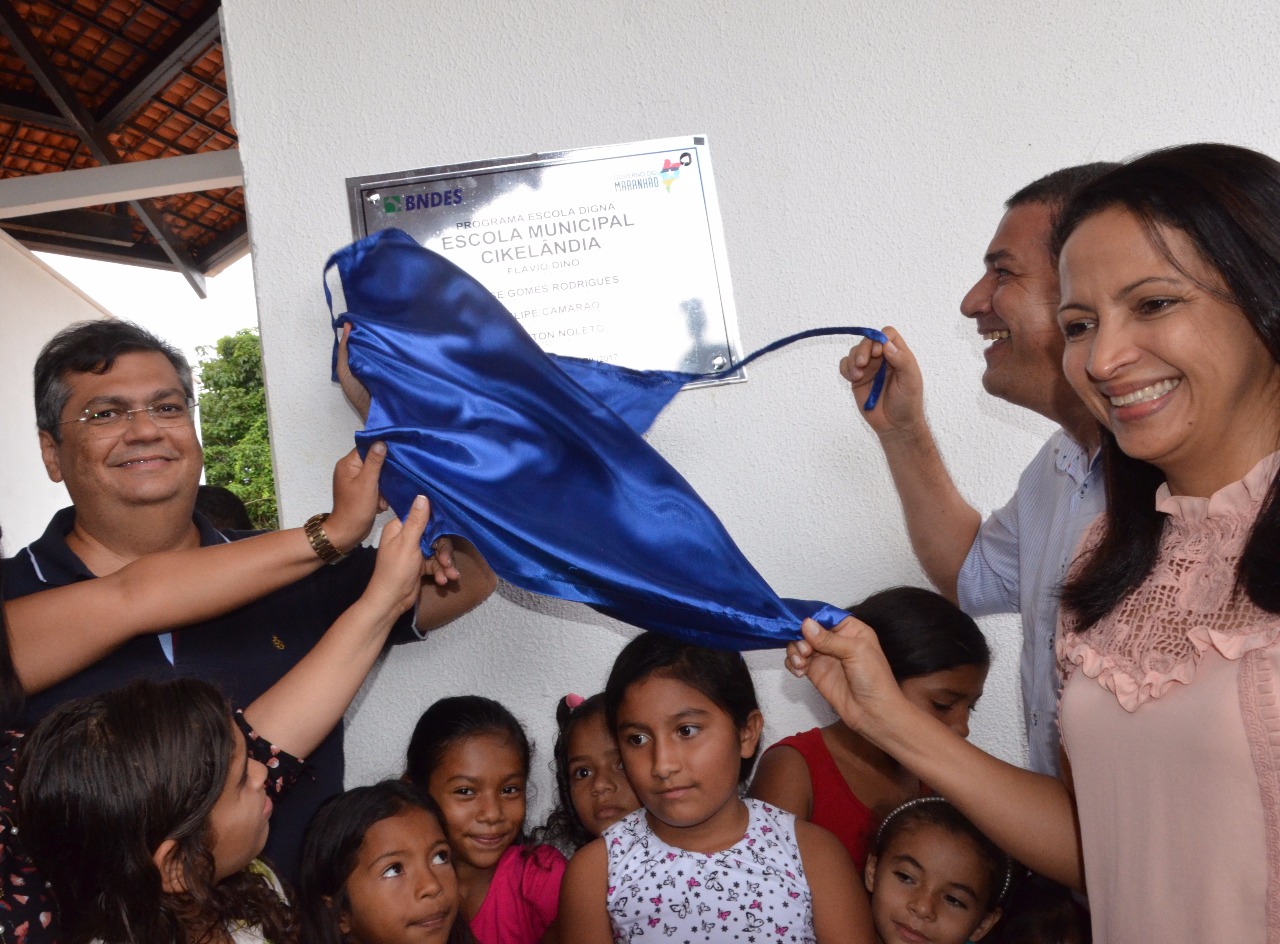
115	412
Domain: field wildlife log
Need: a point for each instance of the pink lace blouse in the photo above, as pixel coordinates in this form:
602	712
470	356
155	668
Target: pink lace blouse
1171	719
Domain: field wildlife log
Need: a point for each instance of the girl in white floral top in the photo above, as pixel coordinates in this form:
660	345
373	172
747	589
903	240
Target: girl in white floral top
697	862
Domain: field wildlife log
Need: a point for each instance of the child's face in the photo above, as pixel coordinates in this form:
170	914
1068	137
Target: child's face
948	695
242	816
598	787
403	889
480	786
930	885
682	752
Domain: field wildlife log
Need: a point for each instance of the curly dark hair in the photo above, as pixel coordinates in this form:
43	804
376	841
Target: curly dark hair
91	347
103	781
563	829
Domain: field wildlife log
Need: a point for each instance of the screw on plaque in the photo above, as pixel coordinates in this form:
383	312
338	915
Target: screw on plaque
719	362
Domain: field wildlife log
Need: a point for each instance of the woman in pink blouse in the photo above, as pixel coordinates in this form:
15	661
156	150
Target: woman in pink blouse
1169	810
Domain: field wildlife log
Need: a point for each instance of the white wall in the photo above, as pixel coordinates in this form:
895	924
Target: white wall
35	303
862	152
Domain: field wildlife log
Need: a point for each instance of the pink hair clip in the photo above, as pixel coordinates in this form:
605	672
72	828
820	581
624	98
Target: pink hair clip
573	701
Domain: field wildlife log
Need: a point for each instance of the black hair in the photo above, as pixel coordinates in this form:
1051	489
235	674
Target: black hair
563	829
1056	188
720	675
451	720
91	347
103	781
1226	201
922	632
1041	911
331	847
935	811
225	509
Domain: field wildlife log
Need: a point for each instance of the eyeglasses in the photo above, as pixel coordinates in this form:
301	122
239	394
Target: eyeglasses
168	412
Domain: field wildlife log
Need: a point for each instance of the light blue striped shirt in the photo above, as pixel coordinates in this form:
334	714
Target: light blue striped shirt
1017	563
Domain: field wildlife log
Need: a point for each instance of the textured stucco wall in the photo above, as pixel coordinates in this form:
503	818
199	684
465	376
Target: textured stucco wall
35	303
862	152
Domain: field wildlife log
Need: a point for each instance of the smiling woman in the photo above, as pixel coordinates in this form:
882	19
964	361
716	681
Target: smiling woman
1161	354
1170	634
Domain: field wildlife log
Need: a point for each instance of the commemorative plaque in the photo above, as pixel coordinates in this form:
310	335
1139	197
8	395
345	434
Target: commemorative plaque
610	253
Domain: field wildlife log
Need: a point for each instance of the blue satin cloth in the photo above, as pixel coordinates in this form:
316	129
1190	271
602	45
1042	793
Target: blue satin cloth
538	460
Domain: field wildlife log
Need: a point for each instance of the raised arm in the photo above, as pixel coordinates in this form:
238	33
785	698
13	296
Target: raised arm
56	633
1029	815
297	712
458	580
941	524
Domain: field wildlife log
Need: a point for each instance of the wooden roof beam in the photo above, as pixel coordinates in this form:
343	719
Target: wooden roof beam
181	49
95	138
30	109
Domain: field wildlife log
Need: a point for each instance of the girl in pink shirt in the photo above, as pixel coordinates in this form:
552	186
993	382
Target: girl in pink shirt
472	756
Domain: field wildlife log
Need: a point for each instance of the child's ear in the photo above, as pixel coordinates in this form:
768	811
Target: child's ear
166	859
869	874
749	733
344	918
987	924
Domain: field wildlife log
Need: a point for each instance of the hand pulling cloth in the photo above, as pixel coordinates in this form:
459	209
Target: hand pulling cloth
539	460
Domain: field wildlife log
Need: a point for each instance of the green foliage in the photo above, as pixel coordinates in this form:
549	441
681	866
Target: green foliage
233	424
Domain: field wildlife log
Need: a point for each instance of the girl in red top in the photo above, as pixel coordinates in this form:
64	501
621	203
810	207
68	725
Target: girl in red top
841	781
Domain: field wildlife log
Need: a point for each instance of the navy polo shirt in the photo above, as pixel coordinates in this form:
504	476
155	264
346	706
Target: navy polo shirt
243	652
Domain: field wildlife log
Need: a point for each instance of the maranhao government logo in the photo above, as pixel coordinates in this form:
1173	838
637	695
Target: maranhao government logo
653	179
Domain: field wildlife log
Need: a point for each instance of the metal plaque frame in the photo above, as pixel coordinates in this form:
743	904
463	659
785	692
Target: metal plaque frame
611	253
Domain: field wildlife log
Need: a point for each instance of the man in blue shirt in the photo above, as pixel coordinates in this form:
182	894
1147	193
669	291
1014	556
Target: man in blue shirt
114	409
1015	560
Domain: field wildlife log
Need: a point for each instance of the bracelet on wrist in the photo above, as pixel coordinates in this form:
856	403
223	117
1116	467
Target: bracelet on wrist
320	543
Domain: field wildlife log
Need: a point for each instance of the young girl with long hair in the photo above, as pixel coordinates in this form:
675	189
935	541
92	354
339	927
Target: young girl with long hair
697	862
154	593
472	756
835	777
145	807
592	789
933	877
377	869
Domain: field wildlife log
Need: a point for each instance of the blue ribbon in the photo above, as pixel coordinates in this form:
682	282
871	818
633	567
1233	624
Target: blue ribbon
539	460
